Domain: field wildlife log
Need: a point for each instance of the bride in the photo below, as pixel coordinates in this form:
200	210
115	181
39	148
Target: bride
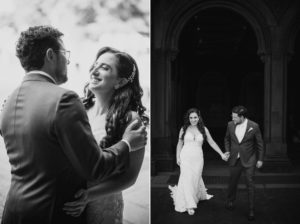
113	100
189	155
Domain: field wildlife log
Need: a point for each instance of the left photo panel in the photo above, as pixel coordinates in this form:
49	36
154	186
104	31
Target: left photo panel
75	112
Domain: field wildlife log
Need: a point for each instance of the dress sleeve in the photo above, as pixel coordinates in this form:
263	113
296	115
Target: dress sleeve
74	134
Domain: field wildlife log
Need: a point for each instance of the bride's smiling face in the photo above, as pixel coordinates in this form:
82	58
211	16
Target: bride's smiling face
194	119
104	75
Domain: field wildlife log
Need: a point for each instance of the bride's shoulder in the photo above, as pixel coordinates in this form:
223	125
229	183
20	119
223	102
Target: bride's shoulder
90	109
206	129
131	116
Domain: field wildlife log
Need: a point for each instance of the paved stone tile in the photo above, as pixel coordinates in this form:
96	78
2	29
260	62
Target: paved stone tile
272	206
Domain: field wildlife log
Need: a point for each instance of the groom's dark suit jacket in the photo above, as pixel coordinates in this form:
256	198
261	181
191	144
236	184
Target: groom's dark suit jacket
250	148
52	152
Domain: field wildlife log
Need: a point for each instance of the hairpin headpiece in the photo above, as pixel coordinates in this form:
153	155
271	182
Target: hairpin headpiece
131	77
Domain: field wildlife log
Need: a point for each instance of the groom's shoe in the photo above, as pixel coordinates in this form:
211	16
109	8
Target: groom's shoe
251	215
229	205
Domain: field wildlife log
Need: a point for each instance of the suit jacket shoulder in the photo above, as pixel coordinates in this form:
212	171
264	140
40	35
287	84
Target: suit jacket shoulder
252	123
230	124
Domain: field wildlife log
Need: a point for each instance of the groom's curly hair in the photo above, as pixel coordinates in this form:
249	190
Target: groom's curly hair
125	99
33	43
187	123
240	111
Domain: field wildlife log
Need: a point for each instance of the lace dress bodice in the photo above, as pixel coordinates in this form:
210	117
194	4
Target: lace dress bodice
108	209
191	138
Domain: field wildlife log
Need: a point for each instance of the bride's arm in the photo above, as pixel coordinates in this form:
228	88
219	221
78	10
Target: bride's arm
113	184
214	145
179	147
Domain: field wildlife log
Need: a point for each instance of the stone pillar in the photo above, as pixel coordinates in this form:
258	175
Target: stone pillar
161	110
275	112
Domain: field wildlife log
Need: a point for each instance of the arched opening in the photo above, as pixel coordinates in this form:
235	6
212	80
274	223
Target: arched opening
217	67
293	105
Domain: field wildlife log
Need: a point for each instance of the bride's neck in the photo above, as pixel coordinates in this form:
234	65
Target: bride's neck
102	102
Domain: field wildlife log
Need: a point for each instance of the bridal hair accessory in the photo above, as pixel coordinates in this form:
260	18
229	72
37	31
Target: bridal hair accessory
131	77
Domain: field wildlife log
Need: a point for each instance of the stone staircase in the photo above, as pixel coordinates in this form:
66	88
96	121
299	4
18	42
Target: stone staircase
216	175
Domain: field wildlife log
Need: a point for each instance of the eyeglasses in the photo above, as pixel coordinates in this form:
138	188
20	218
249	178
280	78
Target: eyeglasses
67	54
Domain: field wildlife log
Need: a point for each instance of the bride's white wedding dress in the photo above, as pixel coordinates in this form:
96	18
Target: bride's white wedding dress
190	187
108	209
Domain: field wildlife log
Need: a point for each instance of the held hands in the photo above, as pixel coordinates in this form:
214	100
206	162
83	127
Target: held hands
225	156
178	161
75	208
136	135
259	164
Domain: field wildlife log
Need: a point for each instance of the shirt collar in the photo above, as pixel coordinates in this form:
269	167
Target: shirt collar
243	124
41	73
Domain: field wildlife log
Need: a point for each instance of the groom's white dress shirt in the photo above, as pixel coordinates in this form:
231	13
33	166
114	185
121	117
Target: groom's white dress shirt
240	131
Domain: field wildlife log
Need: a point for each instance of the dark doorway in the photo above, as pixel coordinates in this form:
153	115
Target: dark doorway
293	105
217	67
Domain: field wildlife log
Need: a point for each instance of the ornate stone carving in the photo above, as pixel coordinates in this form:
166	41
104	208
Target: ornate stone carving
172	53
279	7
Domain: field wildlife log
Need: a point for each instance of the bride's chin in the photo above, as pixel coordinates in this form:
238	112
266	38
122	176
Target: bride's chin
93	86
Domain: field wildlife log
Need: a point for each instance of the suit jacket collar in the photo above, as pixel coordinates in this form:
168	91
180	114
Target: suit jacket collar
249	126
233	126
37	77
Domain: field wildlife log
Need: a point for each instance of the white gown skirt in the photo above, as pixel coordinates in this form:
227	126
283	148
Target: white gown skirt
190	187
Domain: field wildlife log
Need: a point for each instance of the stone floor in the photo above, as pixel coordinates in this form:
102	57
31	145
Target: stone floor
136	198
277	198
272	206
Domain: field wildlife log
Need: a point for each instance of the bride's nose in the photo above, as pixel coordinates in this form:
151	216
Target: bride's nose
95	73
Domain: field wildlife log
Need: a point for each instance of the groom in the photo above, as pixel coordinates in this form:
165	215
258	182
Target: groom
48	138
244	142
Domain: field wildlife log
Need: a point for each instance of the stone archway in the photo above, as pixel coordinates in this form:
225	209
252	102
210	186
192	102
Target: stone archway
216	50
268	33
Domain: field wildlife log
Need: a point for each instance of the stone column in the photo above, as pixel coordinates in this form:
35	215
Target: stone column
275	112
161	110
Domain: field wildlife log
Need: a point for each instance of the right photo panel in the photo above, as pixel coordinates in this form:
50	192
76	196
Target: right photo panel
225	124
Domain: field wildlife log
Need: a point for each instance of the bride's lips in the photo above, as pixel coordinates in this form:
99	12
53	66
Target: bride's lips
95	80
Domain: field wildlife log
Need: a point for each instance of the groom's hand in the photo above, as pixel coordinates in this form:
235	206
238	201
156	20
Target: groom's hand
226	156
259	164
136	135
75	208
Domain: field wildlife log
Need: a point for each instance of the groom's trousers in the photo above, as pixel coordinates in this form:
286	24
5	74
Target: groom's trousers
235	173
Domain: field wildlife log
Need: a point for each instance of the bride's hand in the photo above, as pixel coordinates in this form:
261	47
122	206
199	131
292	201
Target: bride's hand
178	162
225	156
75	208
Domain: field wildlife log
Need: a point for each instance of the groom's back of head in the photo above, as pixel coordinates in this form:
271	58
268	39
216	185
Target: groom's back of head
240	110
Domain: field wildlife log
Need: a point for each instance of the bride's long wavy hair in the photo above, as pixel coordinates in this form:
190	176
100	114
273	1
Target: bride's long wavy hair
187	122
125	99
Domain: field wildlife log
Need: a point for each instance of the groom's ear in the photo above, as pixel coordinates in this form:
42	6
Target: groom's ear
50	55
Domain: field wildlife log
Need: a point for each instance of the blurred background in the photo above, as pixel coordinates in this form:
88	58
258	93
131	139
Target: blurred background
87	26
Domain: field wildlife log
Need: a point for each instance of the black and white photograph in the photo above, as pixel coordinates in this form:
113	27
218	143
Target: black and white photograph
75	112
225	111
149	111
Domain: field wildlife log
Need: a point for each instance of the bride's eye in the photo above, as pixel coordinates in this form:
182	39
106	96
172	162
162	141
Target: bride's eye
104	67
